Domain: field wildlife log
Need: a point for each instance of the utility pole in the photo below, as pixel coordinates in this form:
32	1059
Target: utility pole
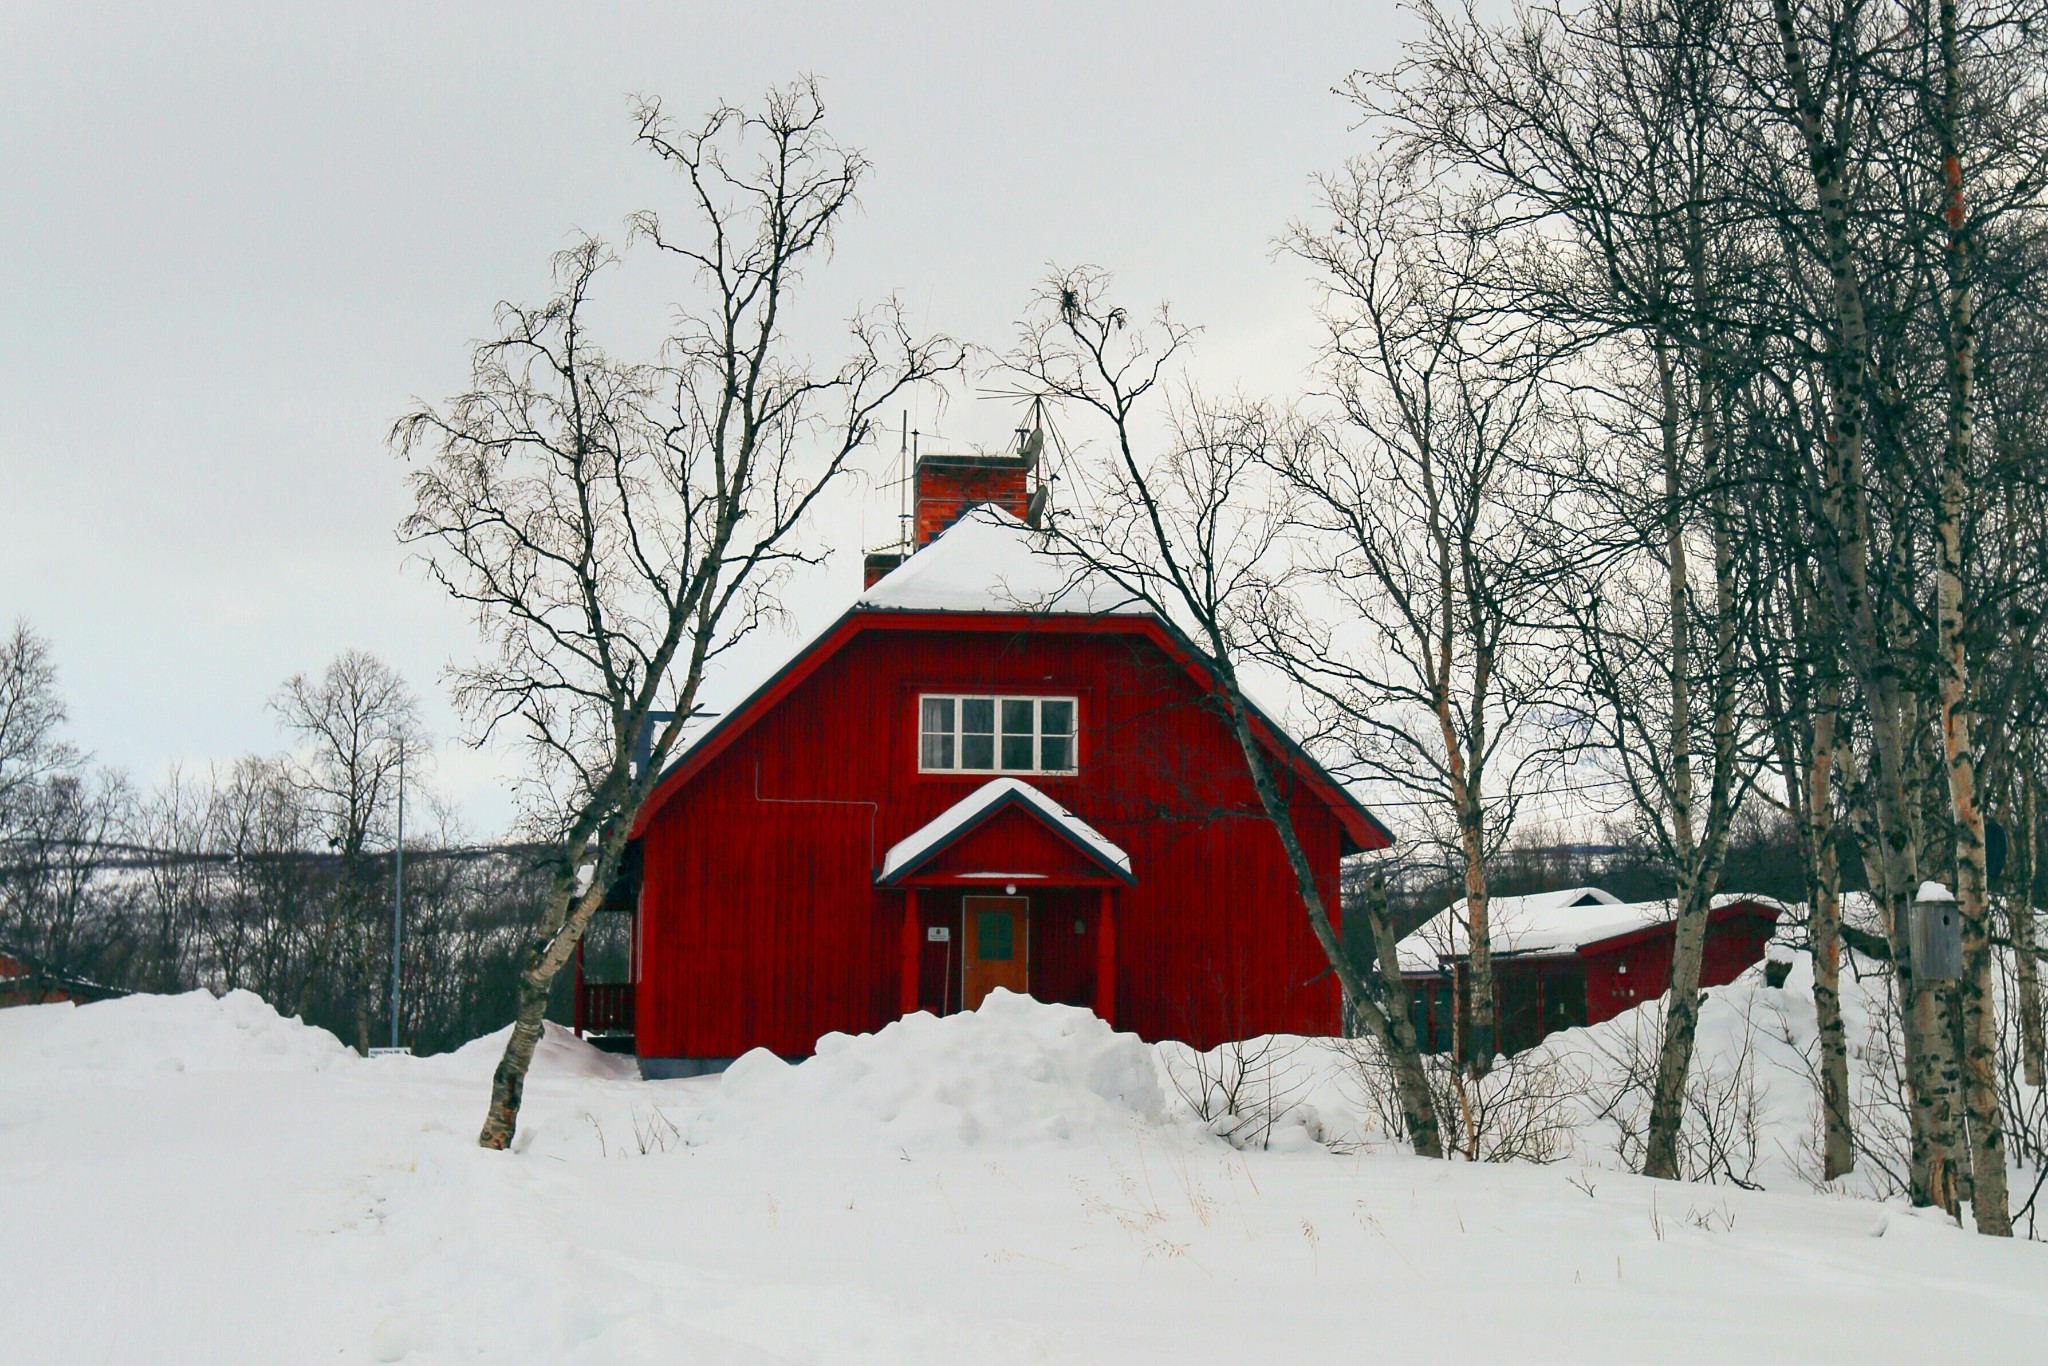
398	895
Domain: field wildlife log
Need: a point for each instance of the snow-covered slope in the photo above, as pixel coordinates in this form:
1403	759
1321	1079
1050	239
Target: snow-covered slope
191	1180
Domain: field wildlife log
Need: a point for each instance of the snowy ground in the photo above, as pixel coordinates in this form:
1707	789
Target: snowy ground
184	1179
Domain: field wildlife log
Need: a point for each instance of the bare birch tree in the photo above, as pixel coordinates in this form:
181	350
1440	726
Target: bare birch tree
1921	127
1194	532
1426	528
616	526
1601	126
356	721
1799	679
30	712
1980	1030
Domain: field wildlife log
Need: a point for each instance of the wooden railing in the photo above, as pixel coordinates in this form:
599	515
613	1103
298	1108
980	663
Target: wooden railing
604	1008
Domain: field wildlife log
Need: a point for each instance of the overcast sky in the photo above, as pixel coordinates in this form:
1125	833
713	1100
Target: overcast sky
238	239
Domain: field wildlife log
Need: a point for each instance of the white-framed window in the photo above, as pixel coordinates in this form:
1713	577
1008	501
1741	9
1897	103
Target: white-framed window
968	734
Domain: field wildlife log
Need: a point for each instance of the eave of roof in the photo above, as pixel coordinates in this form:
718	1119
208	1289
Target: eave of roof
1420	956
1361	828
990	540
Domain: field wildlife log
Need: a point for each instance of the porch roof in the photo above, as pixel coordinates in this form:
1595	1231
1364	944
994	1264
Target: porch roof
974	811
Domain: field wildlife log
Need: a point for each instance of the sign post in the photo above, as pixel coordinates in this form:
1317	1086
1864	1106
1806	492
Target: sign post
398	896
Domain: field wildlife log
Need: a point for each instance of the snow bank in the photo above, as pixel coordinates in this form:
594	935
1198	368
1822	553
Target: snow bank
558	1054
241	1032
196	1031
345	1214
1012	1073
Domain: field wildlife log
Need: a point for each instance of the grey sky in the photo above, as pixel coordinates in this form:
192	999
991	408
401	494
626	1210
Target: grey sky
238	238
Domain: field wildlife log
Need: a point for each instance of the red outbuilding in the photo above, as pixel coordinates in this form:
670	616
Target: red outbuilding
1568	958
994	770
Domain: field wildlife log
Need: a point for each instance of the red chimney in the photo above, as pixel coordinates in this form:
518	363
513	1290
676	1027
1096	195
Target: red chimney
878	563
948	485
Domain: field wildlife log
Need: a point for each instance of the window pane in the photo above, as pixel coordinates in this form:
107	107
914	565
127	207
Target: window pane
992	936
1018	713
1056	753
935	749
977	732
1056	716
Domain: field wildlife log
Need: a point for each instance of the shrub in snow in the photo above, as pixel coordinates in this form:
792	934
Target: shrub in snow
1523	1110
1015	1071
1248	1092
1721	1136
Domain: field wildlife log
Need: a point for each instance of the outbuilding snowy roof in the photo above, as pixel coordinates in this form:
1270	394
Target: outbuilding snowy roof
988	561
983	802
1560	922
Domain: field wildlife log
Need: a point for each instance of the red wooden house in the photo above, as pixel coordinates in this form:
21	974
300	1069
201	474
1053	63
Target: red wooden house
991	771
1569	958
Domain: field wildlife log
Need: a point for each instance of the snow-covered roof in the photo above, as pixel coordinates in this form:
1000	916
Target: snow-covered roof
1560	922
988	561
966	812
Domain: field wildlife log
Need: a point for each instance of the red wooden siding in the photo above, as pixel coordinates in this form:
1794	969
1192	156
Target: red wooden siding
1626	971
761	924
1538	995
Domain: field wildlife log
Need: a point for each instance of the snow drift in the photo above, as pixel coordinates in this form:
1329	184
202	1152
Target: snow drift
1008	1185
1010	1073
241	1032
558	1054
195	1031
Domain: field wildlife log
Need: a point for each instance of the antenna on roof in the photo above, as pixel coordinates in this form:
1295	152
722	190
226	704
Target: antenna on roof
903	476
1030	446
1031	439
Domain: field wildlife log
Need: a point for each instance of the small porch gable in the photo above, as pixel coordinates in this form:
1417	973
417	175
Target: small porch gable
1006	831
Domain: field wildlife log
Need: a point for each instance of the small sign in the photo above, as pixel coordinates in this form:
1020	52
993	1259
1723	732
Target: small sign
404	1052
938	934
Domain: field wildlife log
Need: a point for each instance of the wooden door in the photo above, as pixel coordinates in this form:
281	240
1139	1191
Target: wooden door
995	948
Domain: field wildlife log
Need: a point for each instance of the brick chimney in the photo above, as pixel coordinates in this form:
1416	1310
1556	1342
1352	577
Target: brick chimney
948	485
877	564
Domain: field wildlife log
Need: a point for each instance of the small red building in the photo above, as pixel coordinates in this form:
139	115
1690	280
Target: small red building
1569	958
992	771
28	981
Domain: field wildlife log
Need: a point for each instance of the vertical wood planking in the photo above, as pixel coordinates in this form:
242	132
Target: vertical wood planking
1105	957
762	927
913	950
